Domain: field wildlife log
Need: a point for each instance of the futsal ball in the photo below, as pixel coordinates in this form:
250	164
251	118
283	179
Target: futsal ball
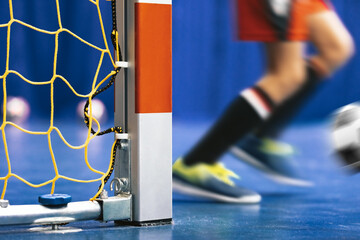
17	109
98	110
346	135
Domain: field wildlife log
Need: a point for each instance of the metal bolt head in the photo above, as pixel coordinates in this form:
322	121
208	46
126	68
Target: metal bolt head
125	184
104	194
124	145
4	203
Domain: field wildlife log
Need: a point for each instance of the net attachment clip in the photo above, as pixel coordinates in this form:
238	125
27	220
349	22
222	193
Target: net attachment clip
124	140
120	185
121	136
122	64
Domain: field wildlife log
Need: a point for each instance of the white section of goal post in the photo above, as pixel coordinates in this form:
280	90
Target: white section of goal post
152	177
150	133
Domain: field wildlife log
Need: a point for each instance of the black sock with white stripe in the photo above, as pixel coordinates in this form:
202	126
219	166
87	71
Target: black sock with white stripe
285	112
245	113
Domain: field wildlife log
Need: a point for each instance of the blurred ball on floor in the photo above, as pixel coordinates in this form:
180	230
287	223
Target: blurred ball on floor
17	109
346	136
99	111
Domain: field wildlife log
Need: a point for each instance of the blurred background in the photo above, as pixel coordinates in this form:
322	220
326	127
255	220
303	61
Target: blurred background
209	66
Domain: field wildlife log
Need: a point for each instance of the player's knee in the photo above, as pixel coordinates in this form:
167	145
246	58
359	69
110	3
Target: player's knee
295	77
340	52
292	78
281	82
348	49
299	75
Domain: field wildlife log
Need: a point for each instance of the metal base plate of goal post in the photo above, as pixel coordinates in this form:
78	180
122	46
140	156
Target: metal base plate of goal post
116	208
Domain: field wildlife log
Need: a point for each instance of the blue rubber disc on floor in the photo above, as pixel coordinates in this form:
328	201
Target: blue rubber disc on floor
54	199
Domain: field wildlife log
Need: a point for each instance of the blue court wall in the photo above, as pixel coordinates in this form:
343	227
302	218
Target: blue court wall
209	66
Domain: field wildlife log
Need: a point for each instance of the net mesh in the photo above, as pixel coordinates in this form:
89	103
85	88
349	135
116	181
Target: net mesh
96	87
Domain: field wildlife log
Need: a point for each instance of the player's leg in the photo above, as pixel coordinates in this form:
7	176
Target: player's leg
285	69
284	74
335	47
250	108
199	167
333	41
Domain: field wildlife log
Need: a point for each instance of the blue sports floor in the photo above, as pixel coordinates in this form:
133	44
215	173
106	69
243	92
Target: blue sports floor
330	210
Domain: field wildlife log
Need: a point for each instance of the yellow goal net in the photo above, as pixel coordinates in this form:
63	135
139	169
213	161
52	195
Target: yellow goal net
98	85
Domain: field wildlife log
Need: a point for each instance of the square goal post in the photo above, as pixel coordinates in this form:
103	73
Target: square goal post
146	89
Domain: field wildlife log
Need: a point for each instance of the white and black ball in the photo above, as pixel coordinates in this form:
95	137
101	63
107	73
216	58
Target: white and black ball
346	136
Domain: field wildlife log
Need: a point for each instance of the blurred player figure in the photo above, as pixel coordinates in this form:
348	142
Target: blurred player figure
259	112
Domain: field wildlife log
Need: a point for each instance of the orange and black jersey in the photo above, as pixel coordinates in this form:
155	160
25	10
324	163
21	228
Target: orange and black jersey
276	20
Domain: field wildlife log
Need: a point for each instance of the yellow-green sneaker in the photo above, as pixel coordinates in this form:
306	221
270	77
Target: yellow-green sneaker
210	181
271	157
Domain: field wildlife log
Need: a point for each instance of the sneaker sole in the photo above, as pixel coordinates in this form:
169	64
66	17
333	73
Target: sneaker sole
268	172
191	190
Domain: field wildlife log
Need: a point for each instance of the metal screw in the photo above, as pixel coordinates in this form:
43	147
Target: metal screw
4	203
104	194
124	145
125	184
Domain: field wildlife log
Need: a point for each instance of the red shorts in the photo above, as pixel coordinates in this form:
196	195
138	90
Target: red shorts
276	20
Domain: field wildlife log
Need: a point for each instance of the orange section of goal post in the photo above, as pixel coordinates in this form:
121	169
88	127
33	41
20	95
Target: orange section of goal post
153	65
